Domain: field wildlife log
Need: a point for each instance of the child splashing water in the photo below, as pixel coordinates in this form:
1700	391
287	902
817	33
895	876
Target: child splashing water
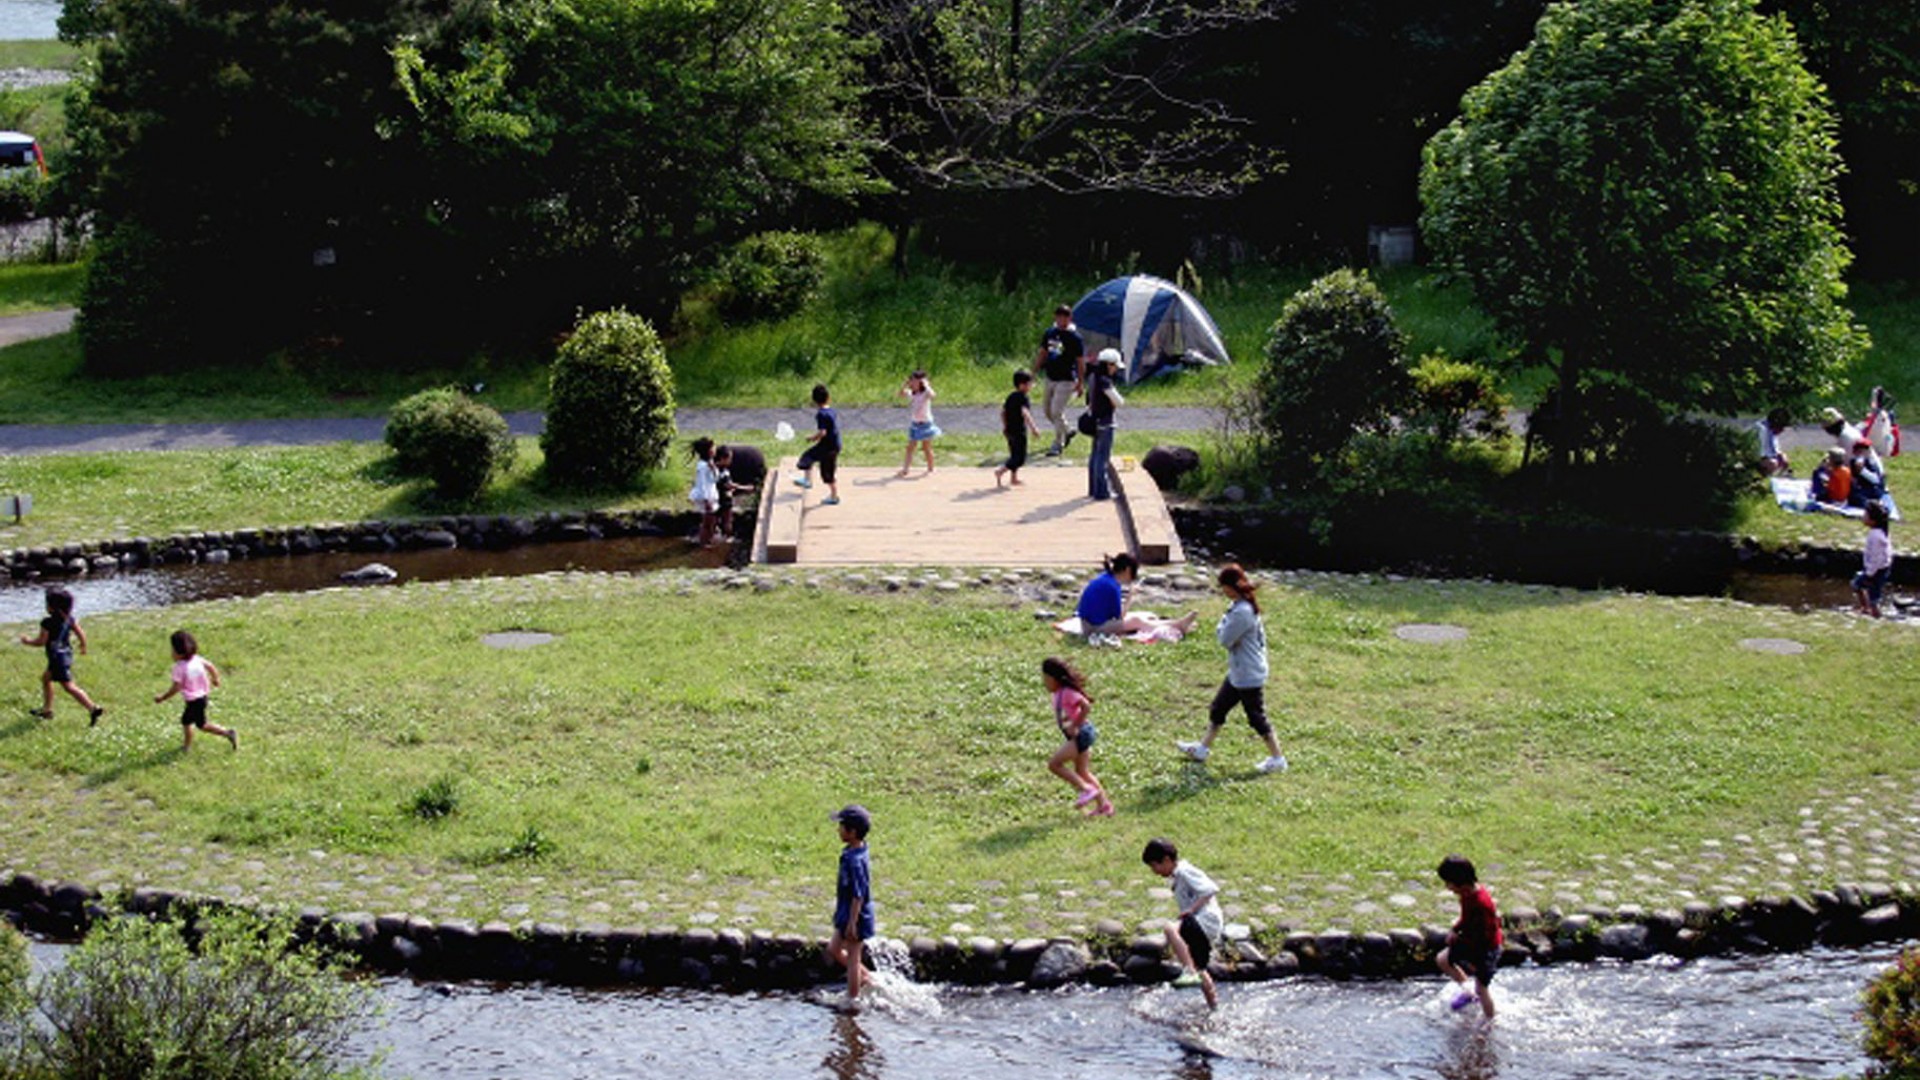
1071	762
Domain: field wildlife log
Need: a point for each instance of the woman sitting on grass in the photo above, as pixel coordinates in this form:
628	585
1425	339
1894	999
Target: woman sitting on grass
1103	607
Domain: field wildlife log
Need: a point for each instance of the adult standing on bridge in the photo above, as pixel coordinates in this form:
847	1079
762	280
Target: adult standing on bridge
1063	358
1103	401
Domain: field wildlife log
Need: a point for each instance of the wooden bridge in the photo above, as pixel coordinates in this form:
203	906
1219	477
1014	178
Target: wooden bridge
957	517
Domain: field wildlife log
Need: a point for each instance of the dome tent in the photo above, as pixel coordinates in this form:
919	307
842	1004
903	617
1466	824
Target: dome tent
1154	323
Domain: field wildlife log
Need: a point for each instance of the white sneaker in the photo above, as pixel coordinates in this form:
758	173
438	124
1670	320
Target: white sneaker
1276	763
1194	750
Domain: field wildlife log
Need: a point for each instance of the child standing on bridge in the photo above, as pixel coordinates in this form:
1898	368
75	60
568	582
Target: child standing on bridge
1072	763
825	451
58	632
1016	421
921	430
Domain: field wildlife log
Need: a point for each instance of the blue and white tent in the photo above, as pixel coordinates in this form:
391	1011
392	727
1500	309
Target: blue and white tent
1153	323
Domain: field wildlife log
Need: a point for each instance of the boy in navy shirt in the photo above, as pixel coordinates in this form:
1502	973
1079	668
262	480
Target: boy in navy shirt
853	899
825	450
1016	420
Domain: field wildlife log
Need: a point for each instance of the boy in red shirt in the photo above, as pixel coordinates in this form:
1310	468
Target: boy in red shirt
1473	945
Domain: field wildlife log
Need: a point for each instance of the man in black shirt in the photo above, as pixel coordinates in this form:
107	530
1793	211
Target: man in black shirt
1063	358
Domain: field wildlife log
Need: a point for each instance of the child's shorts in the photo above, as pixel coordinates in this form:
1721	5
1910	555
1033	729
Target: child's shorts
60	667
1481	964
1198	943
195	714
706	506
922	430
1873	583
828	460
1083	739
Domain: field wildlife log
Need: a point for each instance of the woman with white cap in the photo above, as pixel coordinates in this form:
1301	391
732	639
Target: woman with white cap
1103	400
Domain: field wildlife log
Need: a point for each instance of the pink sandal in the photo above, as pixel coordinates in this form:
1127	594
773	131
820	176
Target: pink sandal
1087	795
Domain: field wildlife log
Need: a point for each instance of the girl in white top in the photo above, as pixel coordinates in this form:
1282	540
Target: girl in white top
921	430
706	488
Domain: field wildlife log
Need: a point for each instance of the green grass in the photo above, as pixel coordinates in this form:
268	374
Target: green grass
694	739
27	287
50	55
79	497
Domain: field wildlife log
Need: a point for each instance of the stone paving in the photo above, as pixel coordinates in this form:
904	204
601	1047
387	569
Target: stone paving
106	839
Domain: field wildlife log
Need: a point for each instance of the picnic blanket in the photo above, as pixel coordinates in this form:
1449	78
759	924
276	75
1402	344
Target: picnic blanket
1072	625
1797	495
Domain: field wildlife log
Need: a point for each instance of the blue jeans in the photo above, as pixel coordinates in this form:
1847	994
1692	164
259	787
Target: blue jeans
1097	462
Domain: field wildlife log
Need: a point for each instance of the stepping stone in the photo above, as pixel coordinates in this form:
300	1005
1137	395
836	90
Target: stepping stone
1430	633
1773	645
518	639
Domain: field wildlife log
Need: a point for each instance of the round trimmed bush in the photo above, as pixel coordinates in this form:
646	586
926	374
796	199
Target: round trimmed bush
451	439
1892	1018
1336	365
771	274
610	408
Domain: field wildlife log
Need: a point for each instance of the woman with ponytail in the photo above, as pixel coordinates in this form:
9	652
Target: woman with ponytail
1244	637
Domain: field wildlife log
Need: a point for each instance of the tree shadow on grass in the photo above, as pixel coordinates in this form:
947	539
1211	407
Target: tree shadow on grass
21	727
124	768
1013	837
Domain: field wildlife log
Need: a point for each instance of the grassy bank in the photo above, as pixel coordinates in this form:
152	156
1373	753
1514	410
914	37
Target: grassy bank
28	287
101	496
677	749
45	55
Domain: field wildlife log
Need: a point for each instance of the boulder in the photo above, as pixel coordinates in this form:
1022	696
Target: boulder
1625	941
370	574
1060	963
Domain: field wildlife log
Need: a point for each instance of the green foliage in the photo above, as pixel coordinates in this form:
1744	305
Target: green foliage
1892	1019
530	843
1636	462
610	412
240	1002
439	799
453	440
15	967
771	275
1645	194
1452	397
21	193
1336	365
126	314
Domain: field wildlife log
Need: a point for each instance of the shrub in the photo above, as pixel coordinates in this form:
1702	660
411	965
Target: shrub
437	800
241	1003
21	193
1454	397
1892	1018
15	997
771	275
1639	463
127	314
1336	364
453	440
610	409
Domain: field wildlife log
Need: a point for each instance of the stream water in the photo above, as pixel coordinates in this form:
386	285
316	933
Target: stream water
1774	1016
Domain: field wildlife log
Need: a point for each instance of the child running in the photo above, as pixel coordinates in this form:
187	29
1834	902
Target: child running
1876	562
1473	945
194	677
58	633
706	490
1244	637
1016	420
1192	935
921	430
825	451
853	920
1070	703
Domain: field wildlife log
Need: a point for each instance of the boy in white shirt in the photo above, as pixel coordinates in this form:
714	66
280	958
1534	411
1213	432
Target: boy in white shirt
1193	936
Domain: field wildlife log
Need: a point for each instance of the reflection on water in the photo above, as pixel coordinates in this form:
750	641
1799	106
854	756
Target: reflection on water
130	589
1743	1017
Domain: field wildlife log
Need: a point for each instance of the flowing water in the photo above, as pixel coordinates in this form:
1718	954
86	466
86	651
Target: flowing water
1776	1016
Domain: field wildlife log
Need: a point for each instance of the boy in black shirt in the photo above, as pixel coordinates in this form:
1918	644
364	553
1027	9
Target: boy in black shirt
1016	420
825	451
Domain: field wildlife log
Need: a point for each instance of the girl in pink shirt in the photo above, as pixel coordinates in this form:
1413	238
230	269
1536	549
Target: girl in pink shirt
194	677
1067	688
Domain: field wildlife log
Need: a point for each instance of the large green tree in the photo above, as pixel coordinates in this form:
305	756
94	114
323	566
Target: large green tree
607	146
1644	199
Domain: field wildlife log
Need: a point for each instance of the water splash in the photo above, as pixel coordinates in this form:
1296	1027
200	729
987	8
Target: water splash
894	989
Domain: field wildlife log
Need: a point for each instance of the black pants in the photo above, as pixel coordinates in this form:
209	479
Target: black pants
1253	699
1016	449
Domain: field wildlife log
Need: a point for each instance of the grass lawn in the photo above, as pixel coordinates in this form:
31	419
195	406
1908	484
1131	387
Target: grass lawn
50	55
26	287
80	497
678	748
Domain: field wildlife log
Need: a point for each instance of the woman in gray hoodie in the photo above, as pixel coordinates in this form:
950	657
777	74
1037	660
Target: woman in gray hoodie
1244	637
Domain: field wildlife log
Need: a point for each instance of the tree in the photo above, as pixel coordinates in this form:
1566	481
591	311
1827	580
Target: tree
1644	198
1016	99
591	153
1336	365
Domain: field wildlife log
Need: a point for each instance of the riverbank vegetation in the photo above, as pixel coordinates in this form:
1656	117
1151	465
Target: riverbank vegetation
677	748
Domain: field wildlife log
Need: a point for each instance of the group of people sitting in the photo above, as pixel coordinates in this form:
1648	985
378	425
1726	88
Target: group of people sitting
1851	472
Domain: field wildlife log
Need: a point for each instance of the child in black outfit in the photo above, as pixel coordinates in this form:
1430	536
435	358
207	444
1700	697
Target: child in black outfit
1016	420
825	451
723	483
58	631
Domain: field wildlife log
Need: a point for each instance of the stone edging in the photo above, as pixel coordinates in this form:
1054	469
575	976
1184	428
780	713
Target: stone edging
479	531
740	960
